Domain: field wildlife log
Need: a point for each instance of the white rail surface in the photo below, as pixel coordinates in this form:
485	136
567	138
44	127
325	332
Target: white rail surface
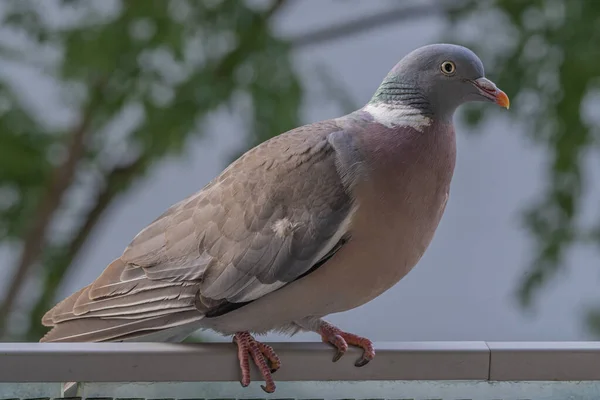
428	369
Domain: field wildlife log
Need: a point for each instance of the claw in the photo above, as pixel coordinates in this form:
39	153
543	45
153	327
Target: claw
261	354
270	355
340	340
337	356
267	389
336	341
361	362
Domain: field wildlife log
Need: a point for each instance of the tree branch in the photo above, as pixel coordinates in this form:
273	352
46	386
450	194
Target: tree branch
33	240
360	25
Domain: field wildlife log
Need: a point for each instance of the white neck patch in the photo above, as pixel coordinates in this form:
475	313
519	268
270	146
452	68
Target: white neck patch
398	115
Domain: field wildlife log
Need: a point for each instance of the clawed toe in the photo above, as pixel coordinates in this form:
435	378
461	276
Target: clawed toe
271	356
340	340
338	355
263	356
361	362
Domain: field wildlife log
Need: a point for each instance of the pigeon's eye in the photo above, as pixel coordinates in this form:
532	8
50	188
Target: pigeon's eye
448	67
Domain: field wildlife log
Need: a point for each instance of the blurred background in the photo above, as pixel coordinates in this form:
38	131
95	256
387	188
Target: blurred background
112	110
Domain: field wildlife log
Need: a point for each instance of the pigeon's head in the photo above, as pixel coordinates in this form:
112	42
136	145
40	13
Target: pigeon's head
438	78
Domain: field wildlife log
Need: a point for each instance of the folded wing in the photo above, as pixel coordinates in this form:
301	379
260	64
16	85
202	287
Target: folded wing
265	221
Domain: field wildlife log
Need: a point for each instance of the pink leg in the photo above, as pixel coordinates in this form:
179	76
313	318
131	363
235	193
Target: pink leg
271	356
340	340
260	353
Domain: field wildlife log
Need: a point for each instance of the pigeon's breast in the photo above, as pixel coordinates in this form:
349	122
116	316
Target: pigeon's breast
400	204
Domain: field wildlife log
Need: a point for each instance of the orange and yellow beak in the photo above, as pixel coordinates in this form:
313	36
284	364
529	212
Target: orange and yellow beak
489	90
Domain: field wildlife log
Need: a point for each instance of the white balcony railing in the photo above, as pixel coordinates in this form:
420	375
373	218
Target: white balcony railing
428	370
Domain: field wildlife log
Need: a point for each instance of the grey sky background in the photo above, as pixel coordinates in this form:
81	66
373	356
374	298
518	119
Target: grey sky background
463	287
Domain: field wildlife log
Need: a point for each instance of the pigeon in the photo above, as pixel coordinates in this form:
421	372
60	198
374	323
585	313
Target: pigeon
317	220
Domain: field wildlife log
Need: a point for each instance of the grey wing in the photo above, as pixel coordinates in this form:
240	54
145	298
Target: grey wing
265	221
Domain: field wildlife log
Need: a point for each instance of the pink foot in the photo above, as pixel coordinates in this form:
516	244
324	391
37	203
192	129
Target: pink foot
261	354
340	340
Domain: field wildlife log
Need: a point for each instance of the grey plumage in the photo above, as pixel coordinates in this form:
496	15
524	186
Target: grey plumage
245	234
317	220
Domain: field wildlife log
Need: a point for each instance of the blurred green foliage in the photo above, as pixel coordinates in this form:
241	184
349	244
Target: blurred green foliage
545	54
172	63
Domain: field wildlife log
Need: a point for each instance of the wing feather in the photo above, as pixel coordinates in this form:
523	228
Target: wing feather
267	220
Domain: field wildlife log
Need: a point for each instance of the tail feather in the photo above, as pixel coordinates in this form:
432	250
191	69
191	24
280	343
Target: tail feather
112	329
169	297
125	310
62	310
